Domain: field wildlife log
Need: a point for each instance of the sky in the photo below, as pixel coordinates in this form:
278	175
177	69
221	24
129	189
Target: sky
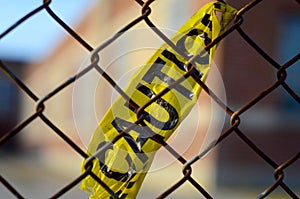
29	41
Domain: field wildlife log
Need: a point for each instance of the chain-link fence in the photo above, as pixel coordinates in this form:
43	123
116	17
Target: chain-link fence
282	73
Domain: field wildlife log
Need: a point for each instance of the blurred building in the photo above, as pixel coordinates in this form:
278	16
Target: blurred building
77	109
10	100
271	124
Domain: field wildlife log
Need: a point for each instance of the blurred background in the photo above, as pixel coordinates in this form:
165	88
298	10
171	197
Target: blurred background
43	55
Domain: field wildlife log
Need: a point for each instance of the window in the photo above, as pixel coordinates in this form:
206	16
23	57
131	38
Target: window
288	47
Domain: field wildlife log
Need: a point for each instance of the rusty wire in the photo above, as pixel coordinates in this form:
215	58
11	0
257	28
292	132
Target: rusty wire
187	165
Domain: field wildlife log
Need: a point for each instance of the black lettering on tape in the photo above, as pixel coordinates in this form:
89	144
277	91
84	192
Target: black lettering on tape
156	71
181	43
123	177
173	114
136	145
206	21
172	57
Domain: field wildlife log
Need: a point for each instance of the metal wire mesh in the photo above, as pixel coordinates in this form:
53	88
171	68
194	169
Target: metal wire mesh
187	165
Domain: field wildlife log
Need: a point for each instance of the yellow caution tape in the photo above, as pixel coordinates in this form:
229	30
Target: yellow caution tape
123	166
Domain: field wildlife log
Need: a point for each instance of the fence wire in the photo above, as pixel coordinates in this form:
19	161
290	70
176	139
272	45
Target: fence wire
187	165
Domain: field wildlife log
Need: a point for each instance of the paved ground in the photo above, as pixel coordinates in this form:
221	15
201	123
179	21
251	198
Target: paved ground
37	178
